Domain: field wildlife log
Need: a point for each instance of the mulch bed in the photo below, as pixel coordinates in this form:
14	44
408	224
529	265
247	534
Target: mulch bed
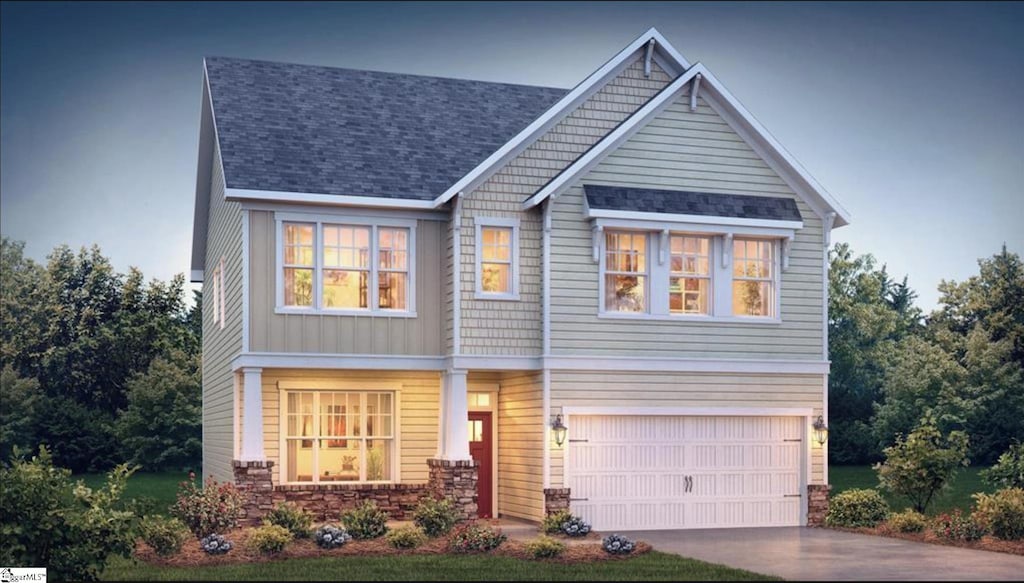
987	543
192	555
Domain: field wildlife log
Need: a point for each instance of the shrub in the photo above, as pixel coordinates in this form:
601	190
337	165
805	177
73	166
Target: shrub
474	537
405	537
921	465
616	544
435	517
1001	513
956	526
907	521
211	509
552	523
575	526
164	535
855	508
269	539
365	521
1009	469
295	519
215	544
329	536
544	547
48	520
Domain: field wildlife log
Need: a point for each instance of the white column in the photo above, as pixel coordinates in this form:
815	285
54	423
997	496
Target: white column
453	434
252	420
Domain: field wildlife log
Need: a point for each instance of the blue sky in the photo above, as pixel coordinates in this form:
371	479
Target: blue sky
910	114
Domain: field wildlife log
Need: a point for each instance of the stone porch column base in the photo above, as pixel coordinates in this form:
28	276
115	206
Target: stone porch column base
255	480
555	500
817	504
457	480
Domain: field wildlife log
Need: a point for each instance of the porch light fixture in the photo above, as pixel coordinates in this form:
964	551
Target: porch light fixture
558	426
820	430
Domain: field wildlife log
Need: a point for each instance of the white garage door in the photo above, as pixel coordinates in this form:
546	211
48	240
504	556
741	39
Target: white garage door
657	472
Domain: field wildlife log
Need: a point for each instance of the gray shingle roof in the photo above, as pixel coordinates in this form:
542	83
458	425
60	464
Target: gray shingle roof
683	202
300	128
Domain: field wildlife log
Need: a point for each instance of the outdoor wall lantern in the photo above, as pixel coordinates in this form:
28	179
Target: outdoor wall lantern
559	428
820	430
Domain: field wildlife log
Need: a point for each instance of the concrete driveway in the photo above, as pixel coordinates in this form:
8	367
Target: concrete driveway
827	555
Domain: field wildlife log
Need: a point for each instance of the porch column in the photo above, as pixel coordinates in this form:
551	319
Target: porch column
252	418
453	434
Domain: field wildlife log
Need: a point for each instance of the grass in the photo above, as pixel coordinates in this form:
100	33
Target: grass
161	488
966	483
653	566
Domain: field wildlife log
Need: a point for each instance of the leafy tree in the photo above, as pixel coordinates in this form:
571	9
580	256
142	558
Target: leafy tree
20	401
922	464
1008	471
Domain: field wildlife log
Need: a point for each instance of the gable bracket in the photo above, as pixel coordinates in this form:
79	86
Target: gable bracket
597	231
830	220
787	245
647	58
694	91
663	247
726	249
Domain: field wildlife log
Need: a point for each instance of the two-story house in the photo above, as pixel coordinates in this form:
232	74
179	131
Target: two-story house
611	297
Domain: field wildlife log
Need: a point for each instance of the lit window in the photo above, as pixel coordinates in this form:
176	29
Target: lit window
298	265
753	274
346	267
625	286
393	277
690	278
496	267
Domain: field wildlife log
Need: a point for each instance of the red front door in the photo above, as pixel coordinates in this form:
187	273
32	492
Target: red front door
481	448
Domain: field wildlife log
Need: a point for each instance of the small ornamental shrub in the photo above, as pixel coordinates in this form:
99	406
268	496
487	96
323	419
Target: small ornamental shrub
616	544
405	537
472	537
215	544
329	536
269	539
921	465
295	519
210	509
435	517
957	526
365	521
552	523
575	526
856	508
544	547
907	521
1001	513
164	535
1009	469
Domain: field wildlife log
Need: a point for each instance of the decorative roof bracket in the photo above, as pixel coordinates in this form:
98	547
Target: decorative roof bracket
787	245
663	247
726	249
647	58
597	230
693	92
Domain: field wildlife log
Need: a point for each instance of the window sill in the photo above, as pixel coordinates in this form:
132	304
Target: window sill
328	312
496	297
691	319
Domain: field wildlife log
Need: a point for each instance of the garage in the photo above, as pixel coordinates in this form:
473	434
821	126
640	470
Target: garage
636	472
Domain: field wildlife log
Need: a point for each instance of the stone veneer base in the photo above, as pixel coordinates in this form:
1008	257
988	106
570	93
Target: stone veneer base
555	500
455	479
817	504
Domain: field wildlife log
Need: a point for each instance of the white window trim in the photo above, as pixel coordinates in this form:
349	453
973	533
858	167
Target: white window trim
776	281
286	387
651	289
319	220
480	223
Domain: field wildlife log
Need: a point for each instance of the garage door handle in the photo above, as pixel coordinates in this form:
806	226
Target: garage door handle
579	441
792	495
792	440
579	499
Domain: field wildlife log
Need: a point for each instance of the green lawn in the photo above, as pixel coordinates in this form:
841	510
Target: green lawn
653	566
966	483
160	488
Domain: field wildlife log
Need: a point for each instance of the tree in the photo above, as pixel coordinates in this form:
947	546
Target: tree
20	401
919	466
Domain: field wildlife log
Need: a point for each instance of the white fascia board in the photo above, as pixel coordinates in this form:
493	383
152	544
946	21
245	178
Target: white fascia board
774	148
336	361
616	138
684	365
243	194
201	212
563	107
692	219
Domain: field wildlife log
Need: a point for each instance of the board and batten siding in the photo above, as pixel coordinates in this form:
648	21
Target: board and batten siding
662	389
221	345
520	459
336	334
682	150
418	414
514	327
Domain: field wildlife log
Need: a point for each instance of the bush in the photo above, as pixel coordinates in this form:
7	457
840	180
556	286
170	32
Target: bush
1001	513
907	521
435	517
616	544
365	521
544	547
289	516
855	508
164	535
921	465
215	544
212	509
269	539
329	536
46	520
552	523
956	526
474	537
575	526
1009	469
406	537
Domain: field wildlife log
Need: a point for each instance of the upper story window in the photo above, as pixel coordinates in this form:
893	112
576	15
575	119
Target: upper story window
339	267
497	258
753	275
689	285
625	285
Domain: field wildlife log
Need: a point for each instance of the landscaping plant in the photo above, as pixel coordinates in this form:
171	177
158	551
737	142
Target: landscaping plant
957	526
164	535
856	508
474	537
919	466
617	544
552	523
575	526
365	521
544	547
298	521
210	509
330	536
215	544
1008	472
269	539
435	517
907	521
1002	513
405	537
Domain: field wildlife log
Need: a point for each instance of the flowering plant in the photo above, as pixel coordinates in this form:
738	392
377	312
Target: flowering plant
956	526
210	509
215	544
575	526
329	536
617	545
473	537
